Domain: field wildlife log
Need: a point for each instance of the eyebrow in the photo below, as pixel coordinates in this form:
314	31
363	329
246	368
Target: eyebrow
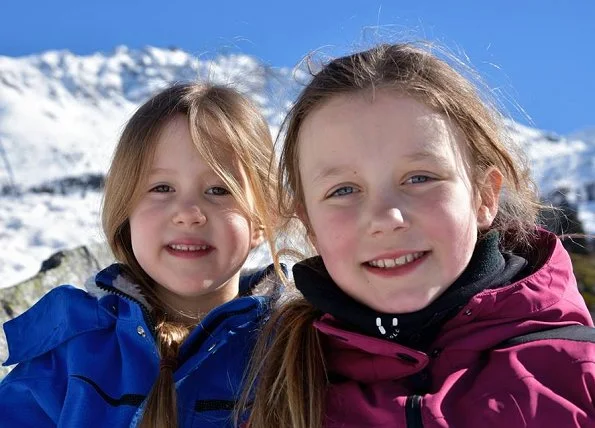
160	170
423	155
205	175
330	171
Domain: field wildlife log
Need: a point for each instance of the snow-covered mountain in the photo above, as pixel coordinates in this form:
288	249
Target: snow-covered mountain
61	115
65	112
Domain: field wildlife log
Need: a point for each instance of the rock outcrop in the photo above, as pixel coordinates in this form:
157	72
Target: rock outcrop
64	267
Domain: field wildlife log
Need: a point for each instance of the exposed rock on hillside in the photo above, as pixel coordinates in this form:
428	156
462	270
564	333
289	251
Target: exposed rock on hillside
64	267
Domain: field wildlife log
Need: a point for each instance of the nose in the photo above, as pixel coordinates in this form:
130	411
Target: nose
189	215
387	216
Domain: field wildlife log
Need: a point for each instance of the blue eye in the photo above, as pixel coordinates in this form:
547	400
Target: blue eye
162	188
217	191
343	191
416	179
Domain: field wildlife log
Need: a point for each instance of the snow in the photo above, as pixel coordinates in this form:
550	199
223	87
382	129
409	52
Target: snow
61	115
34	226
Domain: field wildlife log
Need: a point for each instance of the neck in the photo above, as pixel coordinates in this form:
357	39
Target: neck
190	309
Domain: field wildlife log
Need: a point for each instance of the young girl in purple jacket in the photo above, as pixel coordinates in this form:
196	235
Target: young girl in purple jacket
429	260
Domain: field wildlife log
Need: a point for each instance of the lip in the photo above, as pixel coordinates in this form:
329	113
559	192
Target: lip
189	254
395	254
188	241
396	271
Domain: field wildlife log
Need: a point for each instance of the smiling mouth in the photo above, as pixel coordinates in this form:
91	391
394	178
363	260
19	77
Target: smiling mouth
399	261
184	247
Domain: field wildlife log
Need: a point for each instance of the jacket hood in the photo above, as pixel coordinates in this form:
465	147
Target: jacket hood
254	282
547	298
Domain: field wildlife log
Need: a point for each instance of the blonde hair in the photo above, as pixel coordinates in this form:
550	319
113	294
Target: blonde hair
290	393
221	122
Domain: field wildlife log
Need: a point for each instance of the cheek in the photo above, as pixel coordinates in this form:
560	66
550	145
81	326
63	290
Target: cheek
145	220
455	233
137	224
334	230
147	212
139	235
237	228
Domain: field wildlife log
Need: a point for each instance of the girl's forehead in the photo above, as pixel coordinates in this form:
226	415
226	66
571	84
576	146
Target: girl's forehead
365	106
347	126
205	140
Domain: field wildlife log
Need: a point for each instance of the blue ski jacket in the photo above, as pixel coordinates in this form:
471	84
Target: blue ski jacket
89	359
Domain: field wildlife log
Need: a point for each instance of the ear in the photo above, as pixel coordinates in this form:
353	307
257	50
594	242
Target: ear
257	236
303	217
489	197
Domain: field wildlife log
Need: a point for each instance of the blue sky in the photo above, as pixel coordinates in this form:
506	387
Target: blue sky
539	53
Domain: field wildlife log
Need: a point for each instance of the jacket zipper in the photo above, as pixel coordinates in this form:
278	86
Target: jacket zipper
413	411
149	320
200	405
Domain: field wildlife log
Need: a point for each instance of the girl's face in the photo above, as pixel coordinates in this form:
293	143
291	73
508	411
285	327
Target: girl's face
388	199
188	232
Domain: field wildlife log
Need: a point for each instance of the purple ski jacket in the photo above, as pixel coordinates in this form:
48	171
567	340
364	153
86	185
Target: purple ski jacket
469	380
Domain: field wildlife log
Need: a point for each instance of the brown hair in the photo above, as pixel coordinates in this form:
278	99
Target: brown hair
289	392
215	114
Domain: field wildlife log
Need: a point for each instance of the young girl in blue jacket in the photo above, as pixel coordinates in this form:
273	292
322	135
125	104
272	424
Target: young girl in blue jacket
160	339
430	263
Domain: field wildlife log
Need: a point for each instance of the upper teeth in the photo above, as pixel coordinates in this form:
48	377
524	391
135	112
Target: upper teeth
183	247
389	263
